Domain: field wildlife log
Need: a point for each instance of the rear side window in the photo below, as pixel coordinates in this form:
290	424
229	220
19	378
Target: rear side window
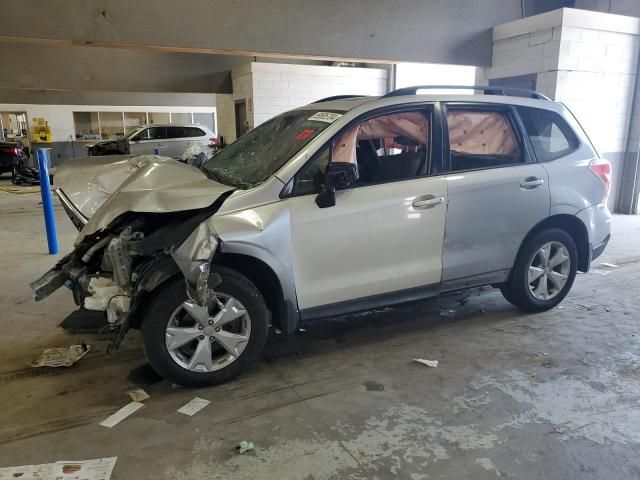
194	132
550	135
176	132
481	138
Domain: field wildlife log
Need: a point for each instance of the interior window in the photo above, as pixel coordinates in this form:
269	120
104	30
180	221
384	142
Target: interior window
386	148
550	135
481	139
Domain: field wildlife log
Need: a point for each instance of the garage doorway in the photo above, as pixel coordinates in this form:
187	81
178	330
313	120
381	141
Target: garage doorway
241	118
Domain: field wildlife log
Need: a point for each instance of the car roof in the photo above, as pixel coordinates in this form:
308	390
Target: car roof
347	104
173	125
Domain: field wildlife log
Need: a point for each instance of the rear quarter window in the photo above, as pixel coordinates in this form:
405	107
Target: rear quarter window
550	135
194	132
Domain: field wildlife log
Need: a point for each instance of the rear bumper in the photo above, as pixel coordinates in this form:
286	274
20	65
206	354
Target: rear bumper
597	250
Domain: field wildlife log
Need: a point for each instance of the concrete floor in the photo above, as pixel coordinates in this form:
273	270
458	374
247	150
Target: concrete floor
552	395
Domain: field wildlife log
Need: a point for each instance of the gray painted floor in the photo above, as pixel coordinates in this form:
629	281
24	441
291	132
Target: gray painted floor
548	396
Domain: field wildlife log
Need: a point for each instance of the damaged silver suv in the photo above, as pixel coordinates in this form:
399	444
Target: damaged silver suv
347	204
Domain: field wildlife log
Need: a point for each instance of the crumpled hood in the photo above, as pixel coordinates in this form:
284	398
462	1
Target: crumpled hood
103	188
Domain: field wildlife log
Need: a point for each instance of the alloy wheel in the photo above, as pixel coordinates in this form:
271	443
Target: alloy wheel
549	270
208	338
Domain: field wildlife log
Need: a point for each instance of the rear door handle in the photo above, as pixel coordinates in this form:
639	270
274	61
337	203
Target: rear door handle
428	202
530	183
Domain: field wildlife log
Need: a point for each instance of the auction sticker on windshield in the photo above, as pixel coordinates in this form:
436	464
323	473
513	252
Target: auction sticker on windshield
327	117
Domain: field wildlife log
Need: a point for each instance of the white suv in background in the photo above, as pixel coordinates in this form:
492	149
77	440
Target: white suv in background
344	205
167	140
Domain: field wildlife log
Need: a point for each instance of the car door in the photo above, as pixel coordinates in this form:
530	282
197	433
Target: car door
382	240
149	141
176	141
496	193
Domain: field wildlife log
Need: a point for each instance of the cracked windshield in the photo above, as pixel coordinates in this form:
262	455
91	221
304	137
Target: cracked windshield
255	156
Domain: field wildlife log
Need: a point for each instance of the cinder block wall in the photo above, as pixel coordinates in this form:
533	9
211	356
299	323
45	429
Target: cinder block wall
273	88
587	60
226	116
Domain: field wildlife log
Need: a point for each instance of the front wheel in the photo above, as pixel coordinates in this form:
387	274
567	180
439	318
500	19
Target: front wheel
544	271
196	346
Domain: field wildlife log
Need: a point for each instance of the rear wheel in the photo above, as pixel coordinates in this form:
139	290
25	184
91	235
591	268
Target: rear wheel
196	346
544	271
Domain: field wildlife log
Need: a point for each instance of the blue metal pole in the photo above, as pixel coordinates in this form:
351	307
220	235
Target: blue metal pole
47	201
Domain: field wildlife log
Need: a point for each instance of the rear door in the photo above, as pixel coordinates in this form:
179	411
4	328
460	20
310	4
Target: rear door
176	141
496	191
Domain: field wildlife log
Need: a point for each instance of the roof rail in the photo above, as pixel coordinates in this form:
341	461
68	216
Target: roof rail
485	89
337	97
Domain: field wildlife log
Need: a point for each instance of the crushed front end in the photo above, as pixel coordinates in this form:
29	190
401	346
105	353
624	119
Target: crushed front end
115	269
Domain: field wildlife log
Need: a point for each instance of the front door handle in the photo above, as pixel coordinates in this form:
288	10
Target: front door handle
530	183
428	202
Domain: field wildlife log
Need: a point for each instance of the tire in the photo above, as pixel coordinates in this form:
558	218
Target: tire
531	296
14	176
175	364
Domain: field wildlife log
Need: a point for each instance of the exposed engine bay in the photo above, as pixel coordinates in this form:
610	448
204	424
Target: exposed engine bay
114	269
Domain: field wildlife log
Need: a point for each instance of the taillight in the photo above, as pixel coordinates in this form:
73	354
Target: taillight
602	169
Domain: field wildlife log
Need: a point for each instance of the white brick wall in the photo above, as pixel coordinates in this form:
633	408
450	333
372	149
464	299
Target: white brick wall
226	121
528	53
596	75
281	87
587	60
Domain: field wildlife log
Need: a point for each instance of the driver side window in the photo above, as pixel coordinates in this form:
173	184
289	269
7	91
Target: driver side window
386	148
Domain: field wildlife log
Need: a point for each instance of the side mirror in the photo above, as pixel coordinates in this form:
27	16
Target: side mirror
338	175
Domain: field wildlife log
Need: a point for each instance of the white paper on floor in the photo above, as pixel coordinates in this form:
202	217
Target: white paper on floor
98	469
609	265
61	357
428	363
194	406
121	414
138	395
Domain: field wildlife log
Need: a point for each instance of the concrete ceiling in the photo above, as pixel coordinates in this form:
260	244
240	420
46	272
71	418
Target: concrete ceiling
441	31
190	47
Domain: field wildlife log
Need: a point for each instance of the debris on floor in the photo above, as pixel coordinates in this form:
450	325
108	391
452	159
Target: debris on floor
373	386
121	414
35	472
597	271
245	446
61	357
97	469
609	265
194	406
138	395
428	363
447	312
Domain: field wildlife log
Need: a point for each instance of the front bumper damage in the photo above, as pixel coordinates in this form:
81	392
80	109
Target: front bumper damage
113	273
